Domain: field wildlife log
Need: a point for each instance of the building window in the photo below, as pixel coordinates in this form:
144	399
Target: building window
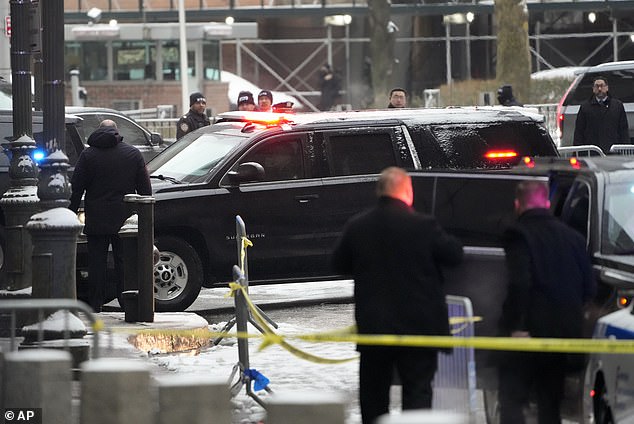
211	60
90	58
133	60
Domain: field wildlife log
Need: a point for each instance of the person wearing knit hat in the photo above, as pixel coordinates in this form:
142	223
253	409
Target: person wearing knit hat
105	172
265	101
245	101
195	118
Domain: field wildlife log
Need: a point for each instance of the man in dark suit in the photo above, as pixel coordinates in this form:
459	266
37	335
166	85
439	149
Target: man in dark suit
394	255
550	279
601	120
106	171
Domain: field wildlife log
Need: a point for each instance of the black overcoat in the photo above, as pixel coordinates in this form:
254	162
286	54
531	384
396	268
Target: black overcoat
601	124
106	171
395	255
550	277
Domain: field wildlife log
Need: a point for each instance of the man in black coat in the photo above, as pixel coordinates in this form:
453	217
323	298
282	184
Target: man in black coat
394	255
550	280
601	120
106	171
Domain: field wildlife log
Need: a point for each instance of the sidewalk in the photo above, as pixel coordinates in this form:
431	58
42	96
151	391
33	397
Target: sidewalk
121	339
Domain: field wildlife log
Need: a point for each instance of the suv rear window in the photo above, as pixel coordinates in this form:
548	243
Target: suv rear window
465	146
620	82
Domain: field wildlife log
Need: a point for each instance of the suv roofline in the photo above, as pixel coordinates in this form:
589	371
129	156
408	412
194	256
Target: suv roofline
449	115
609	66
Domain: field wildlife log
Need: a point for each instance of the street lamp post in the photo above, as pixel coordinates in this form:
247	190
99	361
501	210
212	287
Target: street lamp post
469	16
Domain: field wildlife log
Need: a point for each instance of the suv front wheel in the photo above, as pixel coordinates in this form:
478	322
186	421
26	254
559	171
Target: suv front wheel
178	275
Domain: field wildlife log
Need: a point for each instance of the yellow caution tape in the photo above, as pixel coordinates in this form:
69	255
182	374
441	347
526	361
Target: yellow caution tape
609	346
243	251
98	325
270	337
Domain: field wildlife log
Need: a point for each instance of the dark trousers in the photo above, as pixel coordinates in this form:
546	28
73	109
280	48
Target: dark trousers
97	268
521	372
415	368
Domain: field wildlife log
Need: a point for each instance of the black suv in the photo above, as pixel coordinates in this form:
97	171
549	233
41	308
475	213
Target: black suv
296	179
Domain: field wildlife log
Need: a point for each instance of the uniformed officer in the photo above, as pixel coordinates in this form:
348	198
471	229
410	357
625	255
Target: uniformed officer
195	117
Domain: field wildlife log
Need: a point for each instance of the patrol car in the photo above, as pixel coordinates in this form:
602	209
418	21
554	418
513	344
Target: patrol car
609	383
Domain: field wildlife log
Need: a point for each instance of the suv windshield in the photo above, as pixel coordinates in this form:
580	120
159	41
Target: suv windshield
193	157
618	220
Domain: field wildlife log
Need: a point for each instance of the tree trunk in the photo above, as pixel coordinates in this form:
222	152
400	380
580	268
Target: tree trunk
381	50
513	56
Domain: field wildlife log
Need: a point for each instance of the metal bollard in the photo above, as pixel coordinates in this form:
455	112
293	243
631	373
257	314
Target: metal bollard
139	260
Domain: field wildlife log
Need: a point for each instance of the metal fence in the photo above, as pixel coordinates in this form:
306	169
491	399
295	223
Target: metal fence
455	381
38	307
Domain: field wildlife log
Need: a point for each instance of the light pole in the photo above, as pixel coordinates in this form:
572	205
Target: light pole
469	16
183	56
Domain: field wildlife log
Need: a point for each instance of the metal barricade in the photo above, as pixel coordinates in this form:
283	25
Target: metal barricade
622	149
455	381
580	151
41	305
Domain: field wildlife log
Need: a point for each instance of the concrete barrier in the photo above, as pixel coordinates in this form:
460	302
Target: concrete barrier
39	378
116	391
306	407
193	400
424	416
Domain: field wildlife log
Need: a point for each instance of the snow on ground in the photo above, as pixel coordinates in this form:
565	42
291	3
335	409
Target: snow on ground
285	371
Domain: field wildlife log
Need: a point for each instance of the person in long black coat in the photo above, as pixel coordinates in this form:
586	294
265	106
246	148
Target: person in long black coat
550	280
106	171
601	120
395	255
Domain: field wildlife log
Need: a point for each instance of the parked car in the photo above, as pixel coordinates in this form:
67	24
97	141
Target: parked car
288	180
150	144
620	76
72	147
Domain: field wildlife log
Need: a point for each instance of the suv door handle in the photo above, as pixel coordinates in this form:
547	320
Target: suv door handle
306	198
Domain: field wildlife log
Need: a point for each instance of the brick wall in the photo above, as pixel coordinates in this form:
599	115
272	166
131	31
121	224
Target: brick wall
149	94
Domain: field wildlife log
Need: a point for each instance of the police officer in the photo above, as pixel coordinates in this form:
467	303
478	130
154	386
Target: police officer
265	101
196	116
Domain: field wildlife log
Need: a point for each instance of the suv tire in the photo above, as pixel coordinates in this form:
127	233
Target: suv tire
178	275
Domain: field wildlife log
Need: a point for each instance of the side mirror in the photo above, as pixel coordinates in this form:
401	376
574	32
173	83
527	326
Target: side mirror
156	139
247	172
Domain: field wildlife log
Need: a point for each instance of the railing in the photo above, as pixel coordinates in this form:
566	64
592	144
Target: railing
622	149
41	305
164	126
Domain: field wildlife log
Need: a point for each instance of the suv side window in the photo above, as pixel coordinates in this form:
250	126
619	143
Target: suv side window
282	159
131	133
620	82
355	154
475	209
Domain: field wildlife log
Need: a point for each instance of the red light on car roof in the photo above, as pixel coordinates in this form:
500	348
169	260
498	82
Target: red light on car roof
574	162
529	161
501	154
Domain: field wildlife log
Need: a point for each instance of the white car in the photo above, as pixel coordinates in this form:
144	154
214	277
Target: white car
609	382
238	84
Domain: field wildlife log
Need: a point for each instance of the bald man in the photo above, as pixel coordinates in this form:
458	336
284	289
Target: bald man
395	255
108	123
550	280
